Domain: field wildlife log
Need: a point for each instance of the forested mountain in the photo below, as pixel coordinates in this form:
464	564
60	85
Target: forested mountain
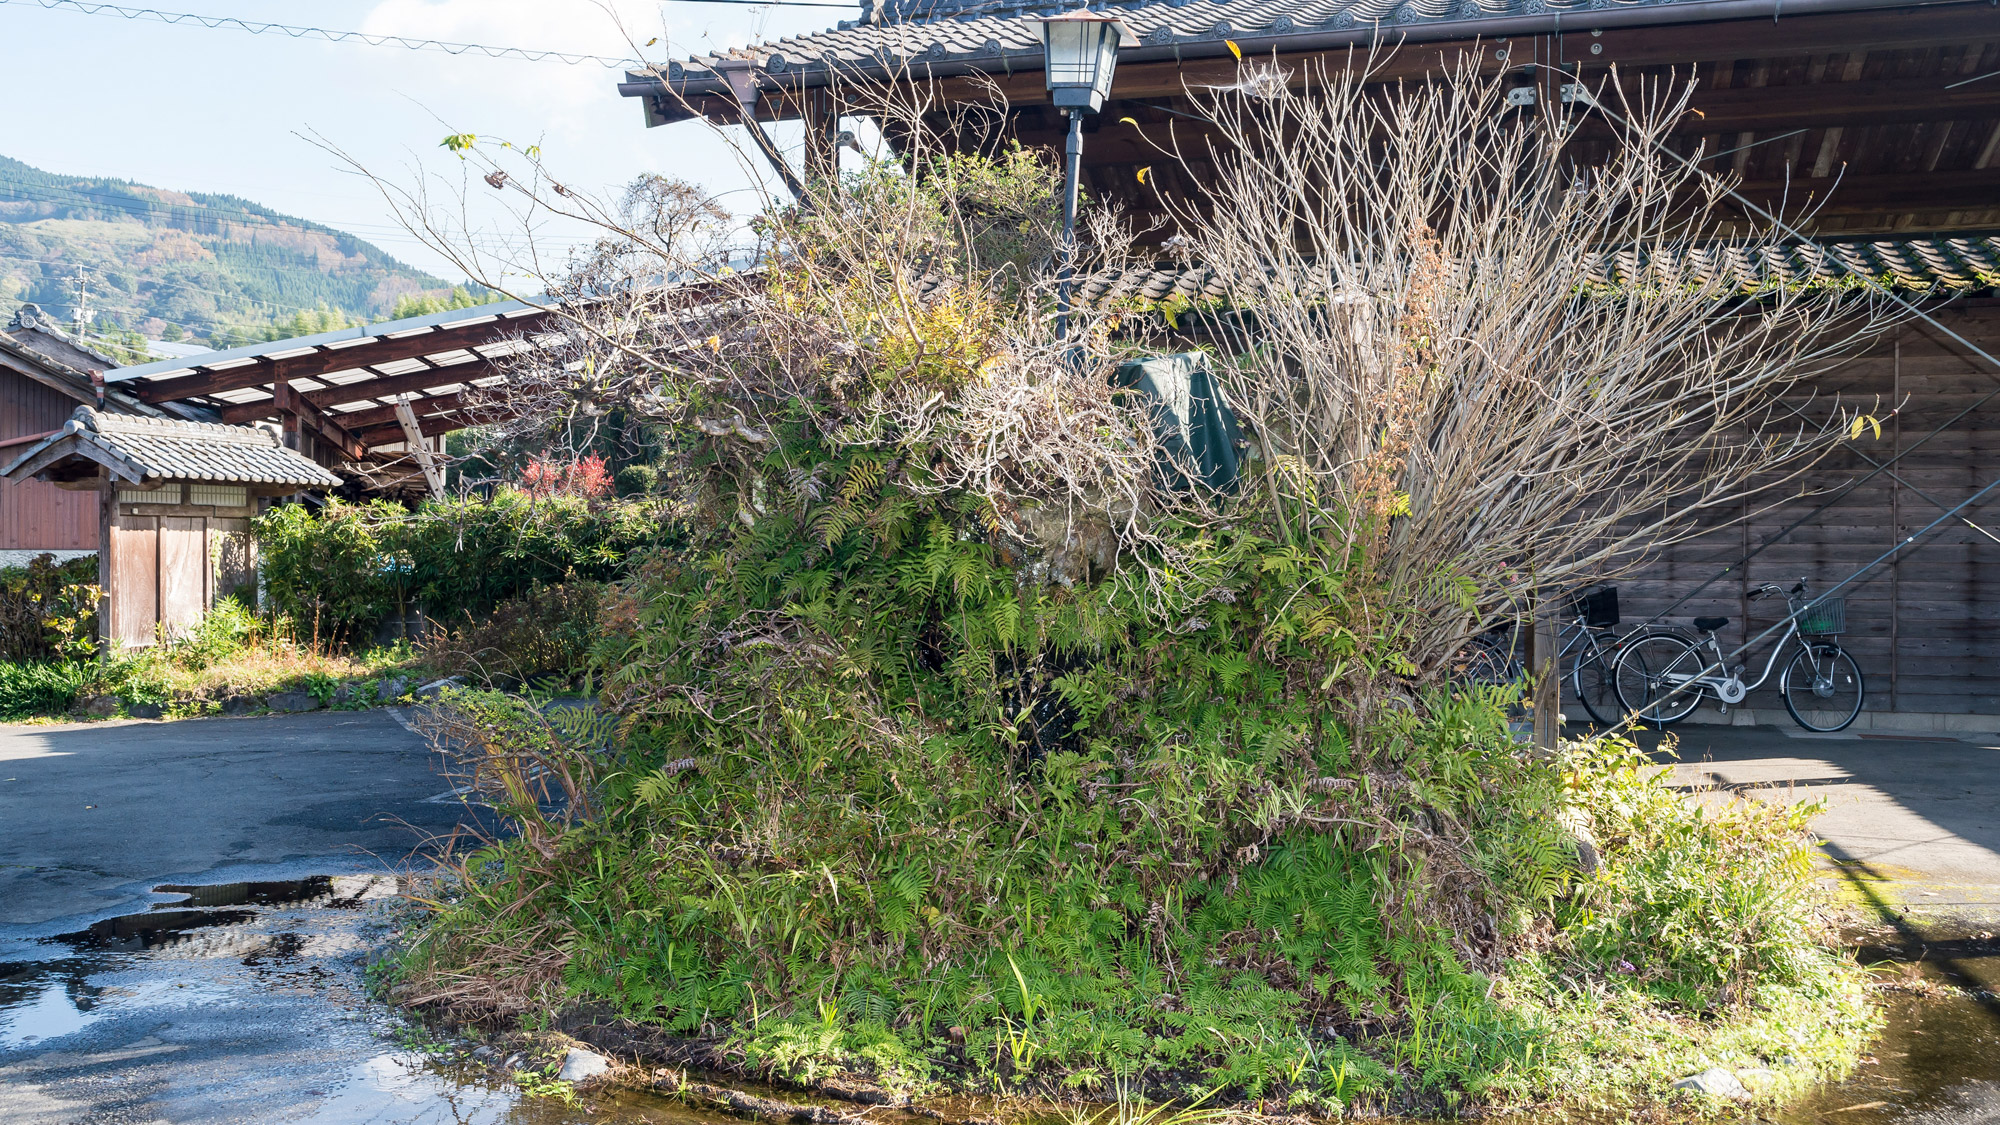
173	264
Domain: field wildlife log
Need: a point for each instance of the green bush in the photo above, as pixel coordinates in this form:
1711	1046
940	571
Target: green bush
886	806
335	572
1700	903
637	480
48	609
546	632
31	689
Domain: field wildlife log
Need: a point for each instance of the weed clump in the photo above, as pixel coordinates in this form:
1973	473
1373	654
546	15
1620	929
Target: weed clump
880	806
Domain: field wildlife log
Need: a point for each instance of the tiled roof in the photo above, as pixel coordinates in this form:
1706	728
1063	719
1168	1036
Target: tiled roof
942	37
1971	262
165	449
1951	265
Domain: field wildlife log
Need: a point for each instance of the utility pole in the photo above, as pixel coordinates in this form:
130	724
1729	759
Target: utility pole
81	314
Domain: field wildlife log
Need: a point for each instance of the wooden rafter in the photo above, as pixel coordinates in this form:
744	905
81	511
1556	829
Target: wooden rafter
430	427
309	417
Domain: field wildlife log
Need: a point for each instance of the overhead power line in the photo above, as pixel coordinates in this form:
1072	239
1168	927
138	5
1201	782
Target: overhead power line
259	27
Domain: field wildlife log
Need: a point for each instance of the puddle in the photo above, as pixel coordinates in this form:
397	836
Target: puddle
1938	1058
244	1002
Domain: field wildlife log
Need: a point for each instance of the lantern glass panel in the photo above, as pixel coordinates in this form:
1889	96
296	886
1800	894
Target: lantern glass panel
1103	50
1072	53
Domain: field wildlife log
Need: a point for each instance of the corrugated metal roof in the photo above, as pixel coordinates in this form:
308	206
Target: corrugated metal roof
302	345
165	449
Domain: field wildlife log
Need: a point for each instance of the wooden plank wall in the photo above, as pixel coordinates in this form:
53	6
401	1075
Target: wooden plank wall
34	515
1925	631
134	581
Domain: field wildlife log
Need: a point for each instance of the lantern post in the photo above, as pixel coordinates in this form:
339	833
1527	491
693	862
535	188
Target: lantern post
1080	50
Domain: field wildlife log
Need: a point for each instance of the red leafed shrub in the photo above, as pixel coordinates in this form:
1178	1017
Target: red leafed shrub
586	477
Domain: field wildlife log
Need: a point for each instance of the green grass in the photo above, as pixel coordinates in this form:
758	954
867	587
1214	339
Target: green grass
30	689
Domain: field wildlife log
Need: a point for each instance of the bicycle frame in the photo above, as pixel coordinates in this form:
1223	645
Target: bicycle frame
1731	688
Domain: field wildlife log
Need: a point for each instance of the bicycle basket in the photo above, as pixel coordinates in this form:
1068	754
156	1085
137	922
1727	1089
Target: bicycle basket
1599	608
1824	618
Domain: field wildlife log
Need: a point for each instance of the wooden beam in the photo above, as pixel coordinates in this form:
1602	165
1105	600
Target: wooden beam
386	386
1899	192
413	440
291	404
358	420
429	427
326	361
1899	101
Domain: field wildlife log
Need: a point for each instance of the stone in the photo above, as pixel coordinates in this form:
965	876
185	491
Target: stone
1715	1082
582	1066
485	1053
145	711
241	704
292	701
1757	1079
99	706
343	693
390	687
436	687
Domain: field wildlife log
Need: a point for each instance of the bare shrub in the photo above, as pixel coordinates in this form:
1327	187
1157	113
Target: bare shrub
1438	378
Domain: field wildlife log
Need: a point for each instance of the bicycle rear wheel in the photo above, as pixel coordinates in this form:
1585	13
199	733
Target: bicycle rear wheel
1591	678
1648	673
1824	682
1488	660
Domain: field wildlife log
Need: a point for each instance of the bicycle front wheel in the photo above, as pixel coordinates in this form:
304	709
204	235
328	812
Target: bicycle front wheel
1591	678
1650	673
1823	682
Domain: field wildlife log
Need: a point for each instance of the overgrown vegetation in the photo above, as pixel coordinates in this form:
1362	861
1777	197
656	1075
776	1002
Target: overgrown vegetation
957	749
882	808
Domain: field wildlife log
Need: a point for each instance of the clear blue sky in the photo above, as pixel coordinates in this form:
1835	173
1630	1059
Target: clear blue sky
220	110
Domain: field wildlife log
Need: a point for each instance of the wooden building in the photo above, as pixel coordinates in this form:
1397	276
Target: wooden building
174	501
44	375
1877	123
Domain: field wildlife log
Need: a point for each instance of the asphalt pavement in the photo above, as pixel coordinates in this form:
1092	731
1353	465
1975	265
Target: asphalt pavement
133	988
93	815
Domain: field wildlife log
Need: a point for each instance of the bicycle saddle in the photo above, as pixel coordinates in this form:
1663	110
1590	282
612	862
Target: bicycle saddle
1710	624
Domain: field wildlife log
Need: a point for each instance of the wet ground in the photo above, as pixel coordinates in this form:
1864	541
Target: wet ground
246	1003
242	1003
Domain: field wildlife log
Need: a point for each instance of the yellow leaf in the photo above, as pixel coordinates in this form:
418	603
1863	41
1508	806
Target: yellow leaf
1143	171
1877	423
1234	49
1854	431
715	343
1130	122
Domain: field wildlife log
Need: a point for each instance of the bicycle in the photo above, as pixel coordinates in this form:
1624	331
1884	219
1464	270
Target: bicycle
1662	678
1587	648
1590	643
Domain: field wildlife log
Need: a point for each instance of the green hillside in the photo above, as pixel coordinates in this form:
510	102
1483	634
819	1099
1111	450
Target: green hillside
174	264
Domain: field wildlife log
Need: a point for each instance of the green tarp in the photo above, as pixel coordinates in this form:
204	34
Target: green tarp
1197	428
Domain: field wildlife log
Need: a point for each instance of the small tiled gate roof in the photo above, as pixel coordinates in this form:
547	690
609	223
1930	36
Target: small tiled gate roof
142	449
